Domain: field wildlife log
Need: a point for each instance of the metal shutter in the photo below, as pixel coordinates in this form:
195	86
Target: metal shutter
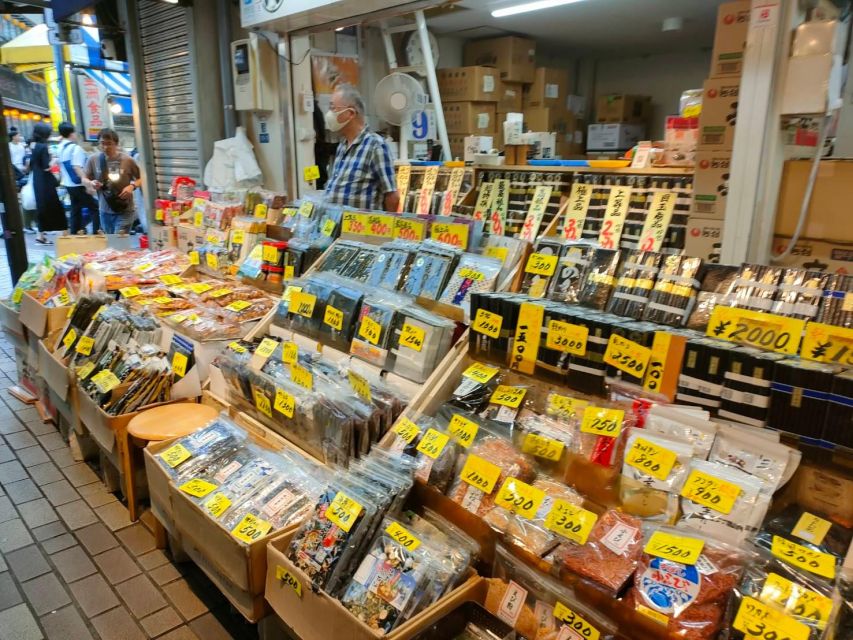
167	57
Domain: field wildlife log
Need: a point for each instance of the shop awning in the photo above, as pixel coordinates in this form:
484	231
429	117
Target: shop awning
115	82
32	50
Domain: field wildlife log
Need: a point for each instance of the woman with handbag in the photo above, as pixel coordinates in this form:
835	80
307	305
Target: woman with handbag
50	212
114	176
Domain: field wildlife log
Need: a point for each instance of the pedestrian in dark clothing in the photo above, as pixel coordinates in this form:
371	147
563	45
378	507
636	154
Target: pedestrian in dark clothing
51	214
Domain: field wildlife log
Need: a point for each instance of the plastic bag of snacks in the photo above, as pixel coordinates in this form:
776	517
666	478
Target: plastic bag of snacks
609	555
688	597
538	606
219	436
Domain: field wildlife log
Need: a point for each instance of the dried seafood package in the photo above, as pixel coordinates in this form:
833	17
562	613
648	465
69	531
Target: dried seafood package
189	452
688	597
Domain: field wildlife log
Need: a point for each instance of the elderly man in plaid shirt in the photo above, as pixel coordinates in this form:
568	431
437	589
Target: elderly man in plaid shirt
363	174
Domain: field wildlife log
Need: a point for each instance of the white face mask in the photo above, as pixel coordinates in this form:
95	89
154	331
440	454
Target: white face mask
332	123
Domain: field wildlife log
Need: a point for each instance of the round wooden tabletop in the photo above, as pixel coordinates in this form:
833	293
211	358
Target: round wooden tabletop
170	421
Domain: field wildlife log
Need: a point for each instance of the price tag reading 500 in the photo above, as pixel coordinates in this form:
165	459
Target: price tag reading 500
343	511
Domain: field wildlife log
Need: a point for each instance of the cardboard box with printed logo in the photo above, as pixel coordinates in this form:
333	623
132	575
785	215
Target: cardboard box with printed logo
730	39
704	239
711	183
719	113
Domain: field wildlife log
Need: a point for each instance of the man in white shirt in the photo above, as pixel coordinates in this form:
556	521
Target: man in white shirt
72	162
18	151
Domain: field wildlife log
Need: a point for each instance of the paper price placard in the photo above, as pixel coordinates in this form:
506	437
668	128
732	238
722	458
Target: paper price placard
570	521
406	429
412	337
542	447
480	473
657	220
683	549
487	323
409	229
479	372
433	443
618	203
651	459
463	430
576	210
710	491
628	356
757	621
828	343
402	536
602	422
343	511
570	338
802	557
541	265
484	201
762	330
520	498
454	234
541	197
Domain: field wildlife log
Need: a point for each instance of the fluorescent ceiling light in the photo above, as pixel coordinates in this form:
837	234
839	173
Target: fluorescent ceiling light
529	6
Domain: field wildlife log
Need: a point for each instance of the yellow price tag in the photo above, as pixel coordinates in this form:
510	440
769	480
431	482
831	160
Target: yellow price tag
306	209
289	352
602	422
198	219
528	335
409	229
251	528
175	455
406	429
755	328
796	599
480	473
219	293
84	371
105	381
343	511
565	406
683	549
566	337
328	227
520	498
467	273
179	364
64	298
238	236
433	443
162	300
197	487
370	330
828	343
797	555
570	521
541	265
301	376
238	305
170	279
453	234
463	430
651	459
212	260
412	337
379	226
266	348
542	447
657	616
499	253
311	173
270	254
657	361
217	504
581	627
194	258
481	373
285	403
129	292
487	323
508	396
355	223
402	536
236	347
628	356
288	272
285	577
260	211
360	385
761	622
811	528
69	339
262	402
17	295
710	491
334	318
302	303
159	215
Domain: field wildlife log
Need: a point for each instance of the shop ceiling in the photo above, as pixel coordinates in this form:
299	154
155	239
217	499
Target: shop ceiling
600	27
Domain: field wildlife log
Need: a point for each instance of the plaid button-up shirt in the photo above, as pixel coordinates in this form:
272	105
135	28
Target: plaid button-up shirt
363	172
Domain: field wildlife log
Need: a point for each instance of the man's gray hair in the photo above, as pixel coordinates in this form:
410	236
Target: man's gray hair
350	97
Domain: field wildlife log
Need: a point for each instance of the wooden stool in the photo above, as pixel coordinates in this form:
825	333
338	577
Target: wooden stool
154	425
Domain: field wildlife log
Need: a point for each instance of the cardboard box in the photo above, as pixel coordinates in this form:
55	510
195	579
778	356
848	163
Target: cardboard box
552	119
10	319
79	244
514	58
158	487
812	84
704	238
613	137
315	615
468	84
817	255
730	39
39	319
550	88
510	97
470	117
719	113
160	237
618	107
466	147
828	216
190	237
711	183
542	144
55	371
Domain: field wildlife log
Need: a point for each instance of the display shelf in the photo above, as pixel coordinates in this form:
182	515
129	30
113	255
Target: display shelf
628	171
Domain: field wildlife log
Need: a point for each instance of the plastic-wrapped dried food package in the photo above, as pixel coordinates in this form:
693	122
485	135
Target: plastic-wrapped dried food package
812	530
680	424
636	277
372	339
610	554
473	274
219	435
766	460
717	283
600	279
723	502
653	471
688	598
548	439
419	340
536	285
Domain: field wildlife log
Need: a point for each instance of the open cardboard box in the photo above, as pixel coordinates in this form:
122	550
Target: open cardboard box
314	615
39	319
10	319
239	569
55	371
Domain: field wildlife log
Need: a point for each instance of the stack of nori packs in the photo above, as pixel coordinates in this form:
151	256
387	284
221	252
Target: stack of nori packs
839	418
746	388
702	373
799	396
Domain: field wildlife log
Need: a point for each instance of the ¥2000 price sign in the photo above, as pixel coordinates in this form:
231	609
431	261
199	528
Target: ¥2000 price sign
762	330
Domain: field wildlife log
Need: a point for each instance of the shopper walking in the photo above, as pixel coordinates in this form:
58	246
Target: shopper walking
18	153
363	173
72	162
50	212
115	176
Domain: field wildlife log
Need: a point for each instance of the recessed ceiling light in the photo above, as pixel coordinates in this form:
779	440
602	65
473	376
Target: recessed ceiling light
530	6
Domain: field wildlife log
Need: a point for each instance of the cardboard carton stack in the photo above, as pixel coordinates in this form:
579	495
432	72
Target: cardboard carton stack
620	122
546	110
469	96
717	129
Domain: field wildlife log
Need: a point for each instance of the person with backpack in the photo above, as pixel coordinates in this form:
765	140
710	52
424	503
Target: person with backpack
72	161
114	176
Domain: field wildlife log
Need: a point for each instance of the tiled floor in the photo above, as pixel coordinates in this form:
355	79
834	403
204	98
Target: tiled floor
72	565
